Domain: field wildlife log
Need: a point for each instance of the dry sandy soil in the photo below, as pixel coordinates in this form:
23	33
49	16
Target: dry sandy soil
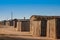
19	38
12	34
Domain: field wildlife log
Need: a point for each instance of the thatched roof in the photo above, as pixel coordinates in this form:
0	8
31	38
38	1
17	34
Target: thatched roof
38	17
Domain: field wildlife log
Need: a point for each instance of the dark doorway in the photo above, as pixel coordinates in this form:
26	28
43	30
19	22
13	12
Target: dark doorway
43	27
58	28
25	26
15	20
4	22
11	23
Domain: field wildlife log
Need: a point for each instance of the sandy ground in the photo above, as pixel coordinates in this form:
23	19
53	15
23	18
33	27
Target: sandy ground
22	38
10	38
12	34
12	31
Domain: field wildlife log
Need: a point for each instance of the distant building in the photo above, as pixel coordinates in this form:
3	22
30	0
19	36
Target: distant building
23	25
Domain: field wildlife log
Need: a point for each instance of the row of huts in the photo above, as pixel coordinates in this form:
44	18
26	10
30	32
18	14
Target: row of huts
38	26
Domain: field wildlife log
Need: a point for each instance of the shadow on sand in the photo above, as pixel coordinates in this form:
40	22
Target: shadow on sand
10	38
5	37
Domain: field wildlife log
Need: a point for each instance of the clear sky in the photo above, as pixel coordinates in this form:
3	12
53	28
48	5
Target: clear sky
26	8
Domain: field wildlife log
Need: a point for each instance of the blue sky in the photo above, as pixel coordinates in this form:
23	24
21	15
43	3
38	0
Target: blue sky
26	8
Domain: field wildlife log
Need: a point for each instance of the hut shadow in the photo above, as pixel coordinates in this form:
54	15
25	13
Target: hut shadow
10	38
6	37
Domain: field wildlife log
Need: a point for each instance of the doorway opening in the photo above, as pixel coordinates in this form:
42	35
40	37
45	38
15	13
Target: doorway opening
25	26
58	28
43	28
11	23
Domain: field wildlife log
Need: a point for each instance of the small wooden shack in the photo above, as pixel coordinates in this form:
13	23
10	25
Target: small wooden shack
45	26
23	25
